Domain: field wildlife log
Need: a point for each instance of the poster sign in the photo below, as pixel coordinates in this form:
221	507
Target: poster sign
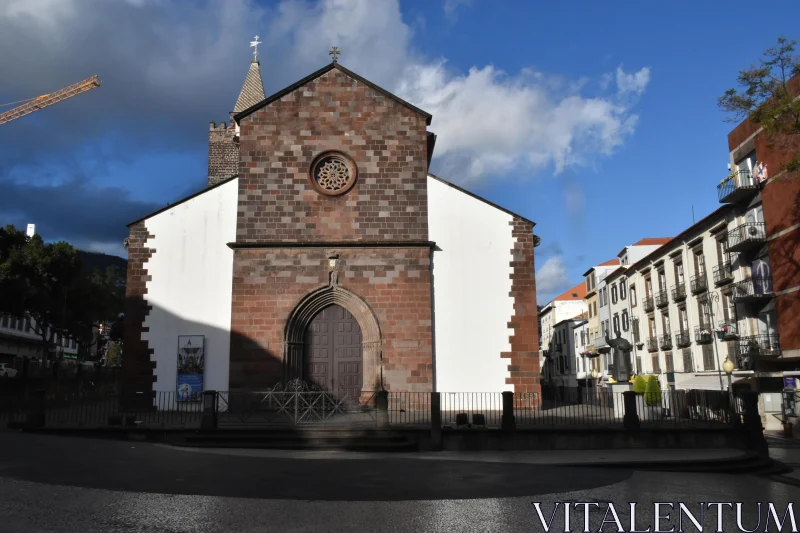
191	362
789	383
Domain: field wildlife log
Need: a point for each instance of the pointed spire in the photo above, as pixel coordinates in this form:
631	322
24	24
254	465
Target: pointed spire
253	88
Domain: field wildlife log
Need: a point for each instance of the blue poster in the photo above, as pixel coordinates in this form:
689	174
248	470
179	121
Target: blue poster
789	383
191	365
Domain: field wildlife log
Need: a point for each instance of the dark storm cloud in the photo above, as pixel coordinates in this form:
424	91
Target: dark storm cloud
74	210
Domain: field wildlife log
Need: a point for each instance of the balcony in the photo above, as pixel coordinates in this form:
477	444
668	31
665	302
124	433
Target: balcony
737	187
683	338
729	330
665	341
703	334
747	236
679	292
752	290
699	284
662	299
758	346
722	274
652	344
647	303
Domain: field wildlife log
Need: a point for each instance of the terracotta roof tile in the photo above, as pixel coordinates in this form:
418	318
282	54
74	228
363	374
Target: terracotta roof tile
652	241
610	262
578	292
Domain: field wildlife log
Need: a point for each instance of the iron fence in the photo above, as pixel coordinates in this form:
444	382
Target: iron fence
409	408
567	407
472	409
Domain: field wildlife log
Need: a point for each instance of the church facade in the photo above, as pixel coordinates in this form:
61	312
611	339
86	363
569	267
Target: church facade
323	250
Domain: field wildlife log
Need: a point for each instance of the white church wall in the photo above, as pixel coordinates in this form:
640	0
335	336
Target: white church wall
190	288
471	285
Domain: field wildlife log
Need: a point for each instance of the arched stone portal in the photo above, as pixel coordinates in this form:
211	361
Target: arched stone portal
304	314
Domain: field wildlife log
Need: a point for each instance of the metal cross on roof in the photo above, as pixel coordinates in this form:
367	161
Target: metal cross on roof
255	44
334	52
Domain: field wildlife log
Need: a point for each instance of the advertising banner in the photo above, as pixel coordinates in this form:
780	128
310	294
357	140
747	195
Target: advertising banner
191	362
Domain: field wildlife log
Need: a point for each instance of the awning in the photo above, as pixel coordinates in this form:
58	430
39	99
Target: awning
710	382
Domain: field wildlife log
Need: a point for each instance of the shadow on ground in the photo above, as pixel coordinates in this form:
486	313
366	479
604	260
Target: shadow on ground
145	467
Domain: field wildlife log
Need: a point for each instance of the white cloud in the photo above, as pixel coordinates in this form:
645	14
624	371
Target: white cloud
633	83
450	6
551	277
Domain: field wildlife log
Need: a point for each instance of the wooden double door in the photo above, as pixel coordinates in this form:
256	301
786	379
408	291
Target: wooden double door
333	358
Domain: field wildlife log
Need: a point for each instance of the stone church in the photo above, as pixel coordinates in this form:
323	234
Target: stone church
322	249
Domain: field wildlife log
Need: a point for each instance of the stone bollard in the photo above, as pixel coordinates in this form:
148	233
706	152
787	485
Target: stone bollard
383	409
508	422
631	419
436	421
209	419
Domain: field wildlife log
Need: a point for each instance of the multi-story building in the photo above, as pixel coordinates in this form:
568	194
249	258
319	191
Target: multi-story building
18	339
567	305
567	372
595	297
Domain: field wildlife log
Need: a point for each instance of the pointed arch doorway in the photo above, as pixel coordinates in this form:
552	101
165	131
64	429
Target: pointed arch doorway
332	352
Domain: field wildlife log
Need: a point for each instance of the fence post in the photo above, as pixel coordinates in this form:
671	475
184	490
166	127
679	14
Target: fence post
209	418
752	424
631	419
508	422
383	409
36	415
436	421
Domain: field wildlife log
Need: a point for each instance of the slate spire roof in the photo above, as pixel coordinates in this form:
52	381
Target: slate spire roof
252	90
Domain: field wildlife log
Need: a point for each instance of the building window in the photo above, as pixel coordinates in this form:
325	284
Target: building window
28	325
639	364
699	262
688	363
662	281
684	318
616	323
623	289
614	293
333	173
728	308
636	330
704	313
625	321
678	272
656	364
669	362
708	357
595	308
633	296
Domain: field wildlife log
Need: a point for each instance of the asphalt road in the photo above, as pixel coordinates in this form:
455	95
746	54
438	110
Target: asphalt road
65	484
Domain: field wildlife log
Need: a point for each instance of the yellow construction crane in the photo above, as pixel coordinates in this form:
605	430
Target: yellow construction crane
35	104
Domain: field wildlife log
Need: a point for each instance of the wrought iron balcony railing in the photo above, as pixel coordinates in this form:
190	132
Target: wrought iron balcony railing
647	303
662	299
729	330
665	341
723	273
746	236
699	284
652	344
759	346
737	187
682	338
753	289
703	334
679	292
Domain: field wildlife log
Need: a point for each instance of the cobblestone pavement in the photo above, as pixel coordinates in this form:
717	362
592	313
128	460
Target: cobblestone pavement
70	484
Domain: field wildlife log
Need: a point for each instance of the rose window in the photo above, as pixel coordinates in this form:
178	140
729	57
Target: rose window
333	173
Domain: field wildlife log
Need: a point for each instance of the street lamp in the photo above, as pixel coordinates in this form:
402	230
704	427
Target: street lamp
728	367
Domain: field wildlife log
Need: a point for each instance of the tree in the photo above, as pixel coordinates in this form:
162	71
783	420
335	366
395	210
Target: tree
652	392
639	384
766	98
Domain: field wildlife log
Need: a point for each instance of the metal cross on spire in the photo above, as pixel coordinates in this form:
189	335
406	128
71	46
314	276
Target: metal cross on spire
255	44
334	53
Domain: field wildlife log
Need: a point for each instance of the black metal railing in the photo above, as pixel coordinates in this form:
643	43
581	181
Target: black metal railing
747	235
409	408
662	298
679	292
759	346
682	338
737	186
722	273
489	405
647	304
699	284
729	330
703	334
652	344
752	289
665	341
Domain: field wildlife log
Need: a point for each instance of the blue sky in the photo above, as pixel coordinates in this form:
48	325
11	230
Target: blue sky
598	120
